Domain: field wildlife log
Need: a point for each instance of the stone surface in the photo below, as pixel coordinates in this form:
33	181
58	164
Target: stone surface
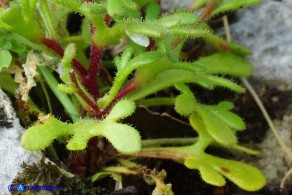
11	153
170	5
266	30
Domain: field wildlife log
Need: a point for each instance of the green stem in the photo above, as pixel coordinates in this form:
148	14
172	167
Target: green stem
62	97
46	95
168	141
157	101
53	152
45	13
123	170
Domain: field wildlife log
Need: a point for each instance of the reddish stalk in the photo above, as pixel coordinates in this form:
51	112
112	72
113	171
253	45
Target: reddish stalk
94	67
95	109
124	91
207	11
151	45
56	47
3	4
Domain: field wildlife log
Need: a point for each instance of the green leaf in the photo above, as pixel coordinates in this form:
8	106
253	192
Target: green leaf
100	175
5	59
211	176
228	5
231	119
180	18
222	45
124	138
15	21
7	83
219	81
185	103
189	32
122	109
152	11
245	176
226	63
215	125
40	136
166	79
65	65
144	58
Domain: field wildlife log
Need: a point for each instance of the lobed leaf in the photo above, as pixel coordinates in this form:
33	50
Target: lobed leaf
245	176
40	136
215	126
211	176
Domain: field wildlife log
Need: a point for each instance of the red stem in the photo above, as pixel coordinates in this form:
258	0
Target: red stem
94	67
124	91
151	45
3	4
56	47
89	102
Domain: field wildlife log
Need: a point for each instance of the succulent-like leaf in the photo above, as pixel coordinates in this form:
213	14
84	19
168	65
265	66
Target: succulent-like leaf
211	176
124	138
245	176
122	109
40	136
185	104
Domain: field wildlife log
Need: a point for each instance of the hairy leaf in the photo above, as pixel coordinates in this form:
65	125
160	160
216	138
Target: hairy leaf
227	5
216	126
226	63
245	176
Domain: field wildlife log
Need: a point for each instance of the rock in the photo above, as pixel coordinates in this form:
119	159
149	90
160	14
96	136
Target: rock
266	30
170	5
11	152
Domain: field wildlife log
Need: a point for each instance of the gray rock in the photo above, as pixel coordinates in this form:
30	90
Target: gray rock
170	5
266	30
11	152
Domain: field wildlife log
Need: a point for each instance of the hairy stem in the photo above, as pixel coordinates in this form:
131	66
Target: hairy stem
57	48
95	109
